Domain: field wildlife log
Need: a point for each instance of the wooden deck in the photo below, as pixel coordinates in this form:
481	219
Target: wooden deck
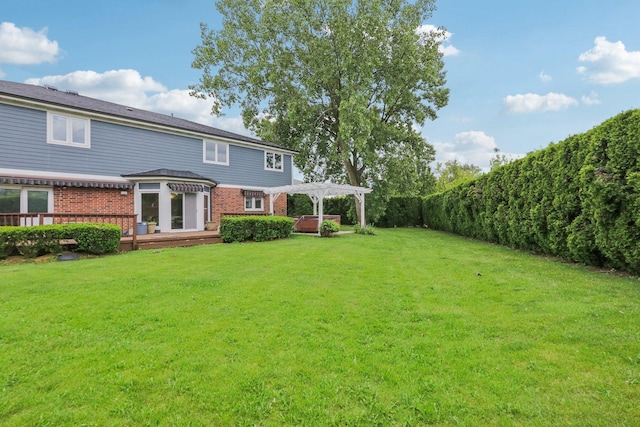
170	240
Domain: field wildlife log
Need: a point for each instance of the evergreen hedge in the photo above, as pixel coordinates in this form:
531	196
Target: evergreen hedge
402	211
256	228
578	199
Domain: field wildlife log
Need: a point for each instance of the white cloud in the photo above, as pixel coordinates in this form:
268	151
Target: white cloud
545	77
531	102
446	48
609	62
591	99
471	147
129	88
474	147
24	46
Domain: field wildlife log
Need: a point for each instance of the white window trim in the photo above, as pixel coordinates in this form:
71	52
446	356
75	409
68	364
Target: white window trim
281	169
68	142
24	201
204	152
253	204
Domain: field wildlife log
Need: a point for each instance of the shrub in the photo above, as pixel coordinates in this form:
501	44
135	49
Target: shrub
328	228
31	242
367	230
37	240
95	238
8	241
257	228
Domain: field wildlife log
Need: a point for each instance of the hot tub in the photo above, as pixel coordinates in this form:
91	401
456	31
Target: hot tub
309	223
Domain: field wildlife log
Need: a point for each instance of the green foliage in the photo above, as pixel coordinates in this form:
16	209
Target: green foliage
95	238
299	204
451	173
341	83
45	239
344	206
365	230
578	199
402	212
256	228
328	228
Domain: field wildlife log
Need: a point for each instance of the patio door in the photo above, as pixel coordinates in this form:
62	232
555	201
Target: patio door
177	211
184	210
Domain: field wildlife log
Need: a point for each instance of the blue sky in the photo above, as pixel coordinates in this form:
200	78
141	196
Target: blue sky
521	74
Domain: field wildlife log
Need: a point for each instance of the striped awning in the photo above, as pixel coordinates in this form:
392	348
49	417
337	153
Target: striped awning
185	188
253	193
63	183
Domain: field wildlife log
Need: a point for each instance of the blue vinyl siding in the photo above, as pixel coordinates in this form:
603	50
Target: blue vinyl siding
117	149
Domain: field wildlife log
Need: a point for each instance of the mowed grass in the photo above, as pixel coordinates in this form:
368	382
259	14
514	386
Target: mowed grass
393	329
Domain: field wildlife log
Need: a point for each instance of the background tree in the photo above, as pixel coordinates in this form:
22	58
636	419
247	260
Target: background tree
451	173
344	82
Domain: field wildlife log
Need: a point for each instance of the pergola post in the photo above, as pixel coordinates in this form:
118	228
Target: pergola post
272	201
360	198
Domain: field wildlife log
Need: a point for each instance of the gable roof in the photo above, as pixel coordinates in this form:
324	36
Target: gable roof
71	99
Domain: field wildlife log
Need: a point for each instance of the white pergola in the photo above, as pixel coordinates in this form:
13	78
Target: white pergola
317	191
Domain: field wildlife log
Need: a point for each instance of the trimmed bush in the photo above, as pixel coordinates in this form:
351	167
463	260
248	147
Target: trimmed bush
37	240
578	199
256	228
95	238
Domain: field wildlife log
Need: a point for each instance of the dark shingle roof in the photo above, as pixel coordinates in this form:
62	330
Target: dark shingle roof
74	100
169	173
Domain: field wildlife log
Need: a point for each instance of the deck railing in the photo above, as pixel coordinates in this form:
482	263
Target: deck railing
127	222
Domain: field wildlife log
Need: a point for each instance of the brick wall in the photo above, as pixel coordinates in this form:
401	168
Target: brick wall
231	200
92	200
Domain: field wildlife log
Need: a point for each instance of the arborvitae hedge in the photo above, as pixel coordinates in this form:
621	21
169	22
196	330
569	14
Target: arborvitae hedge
578	199
402	212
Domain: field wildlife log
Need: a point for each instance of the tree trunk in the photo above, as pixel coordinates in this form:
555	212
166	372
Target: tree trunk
354	179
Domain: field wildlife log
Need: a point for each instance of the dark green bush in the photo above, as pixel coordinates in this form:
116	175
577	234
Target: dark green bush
31	242
578	199
257	228
43	239
345	206
402	212
95	238
8	236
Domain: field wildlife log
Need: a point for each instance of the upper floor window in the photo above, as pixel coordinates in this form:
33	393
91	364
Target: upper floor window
273	161
68	130
215	152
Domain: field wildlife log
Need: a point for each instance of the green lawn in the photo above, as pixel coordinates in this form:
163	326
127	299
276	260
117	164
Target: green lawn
393	329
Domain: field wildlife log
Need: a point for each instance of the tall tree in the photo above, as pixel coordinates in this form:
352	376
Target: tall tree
343	82
452	173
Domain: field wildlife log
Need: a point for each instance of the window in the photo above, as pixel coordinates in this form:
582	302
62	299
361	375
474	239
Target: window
215	152
25	200
9	200
272	161
252	203
68	130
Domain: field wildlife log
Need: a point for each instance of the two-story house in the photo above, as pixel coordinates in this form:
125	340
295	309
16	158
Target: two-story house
61	152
